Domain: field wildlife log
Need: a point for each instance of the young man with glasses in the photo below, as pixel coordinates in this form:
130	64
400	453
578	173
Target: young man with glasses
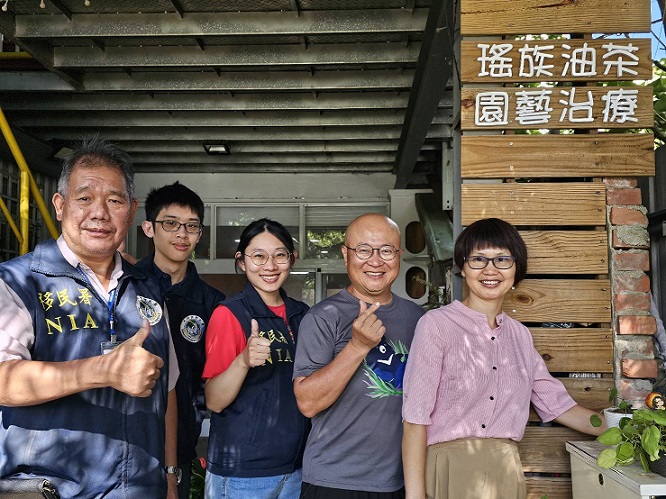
174	221
348	371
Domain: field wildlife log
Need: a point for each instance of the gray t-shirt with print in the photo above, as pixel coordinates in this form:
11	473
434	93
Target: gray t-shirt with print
355	444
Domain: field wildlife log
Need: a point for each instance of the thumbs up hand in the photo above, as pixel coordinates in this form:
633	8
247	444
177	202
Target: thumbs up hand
257	350
133	369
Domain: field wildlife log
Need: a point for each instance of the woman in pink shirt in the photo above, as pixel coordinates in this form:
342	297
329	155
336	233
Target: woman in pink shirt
471	376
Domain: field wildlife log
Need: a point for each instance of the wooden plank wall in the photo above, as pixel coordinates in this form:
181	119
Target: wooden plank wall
549	185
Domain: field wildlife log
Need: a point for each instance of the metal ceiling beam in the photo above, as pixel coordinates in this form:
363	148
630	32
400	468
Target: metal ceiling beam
40	50
207	101
434	69
249	81
229	119
328	158
236	56
243	134
266	168
141	146
38	81
200	24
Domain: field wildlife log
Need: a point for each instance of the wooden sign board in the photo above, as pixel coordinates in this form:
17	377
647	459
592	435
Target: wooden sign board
560	300
542	448
574	203
506	61
552	155
575	350
583	301
524	17
532	108
566	251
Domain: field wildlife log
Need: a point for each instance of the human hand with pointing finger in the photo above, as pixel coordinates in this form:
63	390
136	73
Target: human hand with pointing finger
132	368
257	350
367	329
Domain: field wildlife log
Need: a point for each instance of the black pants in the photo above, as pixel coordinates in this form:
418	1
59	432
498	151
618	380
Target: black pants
309	491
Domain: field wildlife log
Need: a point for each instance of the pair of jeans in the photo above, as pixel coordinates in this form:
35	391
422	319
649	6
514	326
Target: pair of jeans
263	487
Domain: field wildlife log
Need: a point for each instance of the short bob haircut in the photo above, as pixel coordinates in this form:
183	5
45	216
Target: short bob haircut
492	233
264	225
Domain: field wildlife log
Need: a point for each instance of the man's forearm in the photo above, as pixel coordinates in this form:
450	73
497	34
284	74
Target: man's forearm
30	382
322	388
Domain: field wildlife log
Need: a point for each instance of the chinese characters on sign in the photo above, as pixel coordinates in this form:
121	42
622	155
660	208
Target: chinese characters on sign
576	105
562	106
536	60
556	60
556	107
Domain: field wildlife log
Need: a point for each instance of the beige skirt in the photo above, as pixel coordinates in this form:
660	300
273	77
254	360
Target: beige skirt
474	468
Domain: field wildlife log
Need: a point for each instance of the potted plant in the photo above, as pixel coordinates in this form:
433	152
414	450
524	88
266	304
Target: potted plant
641	437
613	415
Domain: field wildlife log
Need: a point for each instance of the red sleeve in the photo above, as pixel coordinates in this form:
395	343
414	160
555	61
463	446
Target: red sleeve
225	339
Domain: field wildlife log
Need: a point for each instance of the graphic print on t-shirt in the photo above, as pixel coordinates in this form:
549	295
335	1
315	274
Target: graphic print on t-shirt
384	366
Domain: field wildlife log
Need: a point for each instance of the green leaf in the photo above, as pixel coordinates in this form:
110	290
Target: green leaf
595	420
625	453
607	458
612	436
659	417
650	441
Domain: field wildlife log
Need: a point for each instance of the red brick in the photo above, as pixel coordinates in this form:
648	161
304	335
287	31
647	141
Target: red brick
624	196
631	260
629	301
639	368
636	324
624	281
633	391
627	216
628	244
620	182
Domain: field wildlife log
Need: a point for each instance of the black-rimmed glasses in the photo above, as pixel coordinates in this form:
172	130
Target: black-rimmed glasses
481	262
174	226
365	251
260	258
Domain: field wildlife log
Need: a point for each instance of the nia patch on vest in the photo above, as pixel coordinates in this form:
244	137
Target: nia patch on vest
148	309
192	328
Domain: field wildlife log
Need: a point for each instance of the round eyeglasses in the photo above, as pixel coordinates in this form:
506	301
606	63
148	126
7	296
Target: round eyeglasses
260	258
481	262
174	226
365	251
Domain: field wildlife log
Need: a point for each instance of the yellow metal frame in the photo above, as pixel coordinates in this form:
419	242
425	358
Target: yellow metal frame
28	186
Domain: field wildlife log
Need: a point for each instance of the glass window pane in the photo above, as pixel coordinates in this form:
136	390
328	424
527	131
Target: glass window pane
231	220
333	283
325	228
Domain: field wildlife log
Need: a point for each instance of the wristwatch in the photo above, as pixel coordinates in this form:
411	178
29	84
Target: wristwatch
173	470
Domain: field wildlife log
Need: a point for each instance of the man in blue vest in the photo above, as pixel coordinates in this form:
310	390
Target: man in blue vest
87	367
174	221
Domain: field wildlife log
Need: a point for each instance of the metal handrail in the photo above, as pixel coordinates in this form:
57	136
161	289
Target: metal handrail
28	186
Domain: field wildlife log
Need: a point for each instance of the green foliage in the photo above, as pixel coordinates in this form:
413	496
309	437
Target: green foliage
436	294
641	437
378	387
198	483
623	407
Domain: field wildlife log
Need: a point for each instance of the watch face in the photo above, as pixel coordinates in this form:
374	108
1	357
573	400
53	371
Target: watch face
172	470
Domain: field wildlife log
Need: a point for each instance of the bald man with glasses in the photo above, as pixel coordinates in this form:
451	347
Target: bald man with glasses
348	370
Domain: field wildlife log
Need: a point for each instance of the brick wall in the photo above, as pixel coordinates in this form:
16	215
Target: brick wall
630	261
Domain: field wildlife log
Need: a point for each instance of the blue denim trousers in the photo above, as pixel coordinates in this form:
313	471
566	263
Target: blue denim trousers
264	487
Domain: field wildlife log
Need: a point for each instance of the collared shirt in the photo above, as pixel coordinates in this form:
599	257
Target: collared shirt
17	334
466	380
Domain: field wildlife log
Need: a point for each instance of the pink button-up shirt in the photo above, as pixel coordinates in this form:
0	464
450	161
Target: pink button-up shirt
464	379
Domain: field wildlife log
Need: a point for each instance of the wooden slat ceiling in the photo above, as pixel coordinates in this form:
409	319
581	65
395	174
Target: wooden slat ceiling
288	85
